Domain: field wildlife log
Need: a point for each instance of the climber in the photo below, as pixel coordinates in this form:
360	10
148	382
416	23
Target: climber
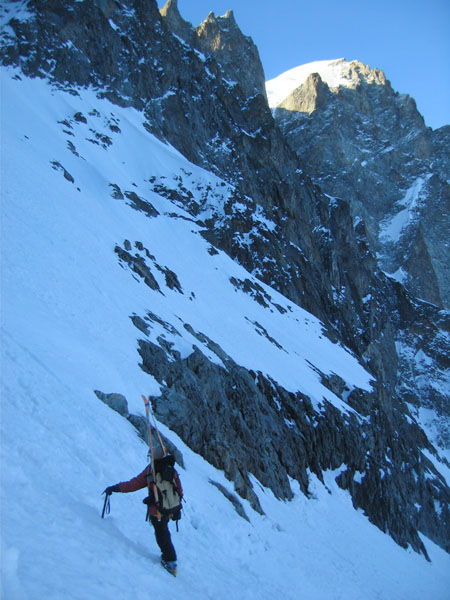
163	501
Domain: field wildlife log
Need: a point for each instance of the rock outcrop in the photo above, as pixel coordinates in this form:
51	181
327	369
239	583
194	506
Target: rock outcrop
175	22
235	52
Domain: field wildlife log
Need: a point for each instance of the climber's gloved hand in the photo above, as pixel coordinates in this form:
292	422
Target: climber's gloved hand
112	488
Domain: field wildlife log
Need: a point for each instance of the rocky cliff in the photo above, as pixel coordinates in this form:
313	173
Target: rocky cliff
362	141
297	237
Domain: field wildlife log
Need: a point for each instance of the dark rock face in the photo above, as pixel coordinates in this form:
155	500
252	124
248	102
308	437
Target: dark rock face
368	144
236	53
244	423
197	94
176	24
221	38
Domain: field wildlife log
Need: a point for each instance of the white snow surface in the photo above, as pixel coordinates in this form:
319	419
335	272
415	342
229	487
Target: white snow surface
333	72
65	327
394	226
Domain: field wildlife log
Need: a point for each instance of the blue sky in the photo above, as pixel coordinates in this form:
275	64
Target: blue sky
408	39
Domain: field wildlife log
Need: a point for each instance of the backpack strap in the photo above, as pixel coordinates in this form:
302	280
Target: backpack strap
153	494
178	485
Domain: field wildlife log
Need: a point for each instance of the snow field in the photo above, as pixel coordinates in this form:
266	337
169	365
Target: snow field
62	450
66	331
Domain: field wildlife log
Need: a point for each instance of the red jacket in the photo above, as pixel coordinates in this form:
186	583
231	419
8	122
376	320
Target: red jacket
140	482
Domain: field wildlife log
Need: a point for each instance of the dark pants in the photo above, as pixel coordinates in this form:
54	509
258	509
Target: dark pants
163	539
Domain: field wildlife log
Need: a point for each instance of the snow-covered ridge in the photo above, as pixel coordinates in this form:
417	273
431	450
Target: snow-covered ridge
336	73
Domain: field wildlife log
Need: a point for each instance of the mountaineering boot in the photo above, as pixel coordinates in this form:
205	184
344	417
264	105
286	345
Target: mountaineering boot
170	566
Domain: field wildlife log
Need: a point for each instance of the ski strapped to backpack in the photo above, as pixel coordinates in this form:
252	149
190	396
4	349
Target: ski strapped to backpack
163	492
152	489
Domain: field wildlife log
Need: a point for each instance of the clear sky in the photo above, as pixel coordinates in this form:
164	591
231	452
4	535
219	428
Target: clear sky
408	39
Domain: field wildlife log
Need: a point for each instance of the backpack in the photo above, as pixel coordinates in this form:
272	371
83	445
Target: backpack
168	503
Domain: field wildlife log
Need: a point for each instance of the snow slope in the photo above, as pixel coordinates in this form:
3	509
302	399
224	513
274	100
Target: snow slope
394	226
65	326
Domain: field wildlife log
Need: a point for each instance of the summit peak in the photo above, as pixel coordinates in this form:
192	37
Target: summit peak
226	19
173	19
335	73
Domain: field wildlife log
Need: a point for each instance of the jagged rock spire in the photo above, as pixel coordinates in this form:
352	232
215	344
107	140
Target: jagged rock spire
222	37
175	22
